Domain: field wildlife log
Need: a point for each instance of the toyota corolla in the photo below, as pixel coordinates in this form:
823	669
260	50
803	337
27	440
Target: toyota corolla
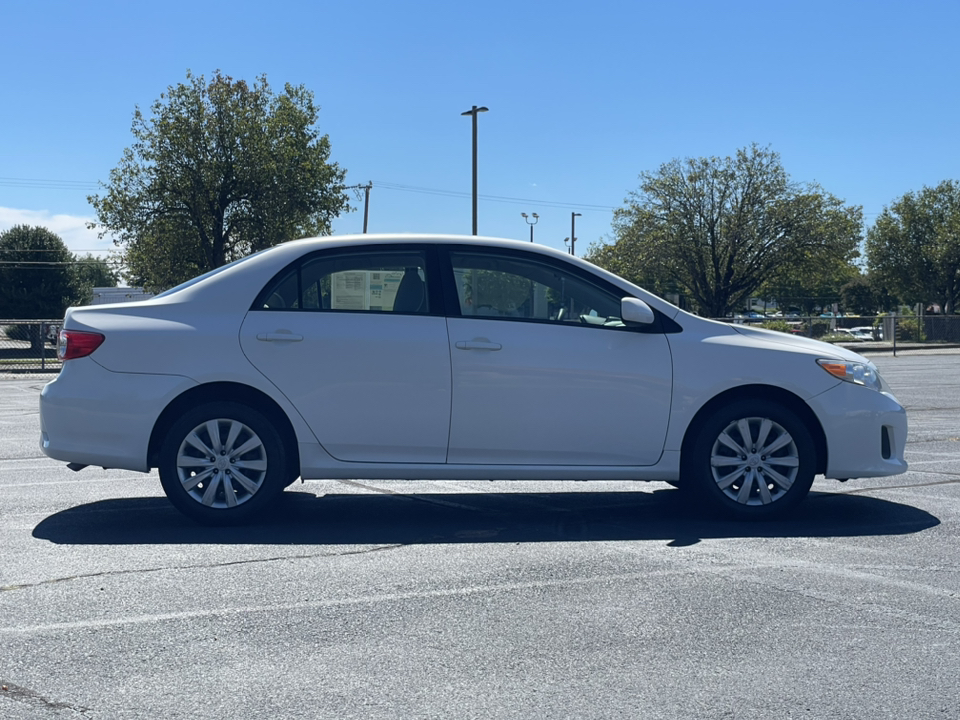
419	357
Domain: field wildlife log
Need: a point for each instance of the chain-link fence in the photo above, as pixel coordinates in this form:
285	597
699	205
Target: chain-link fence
887	329
935	328
29	346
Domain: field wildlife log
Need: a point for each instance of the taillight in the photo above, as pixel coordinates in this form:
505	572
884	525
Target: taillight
77	344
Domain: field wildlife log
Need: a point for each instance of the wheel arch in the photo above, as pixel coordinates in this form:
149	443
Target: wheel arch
233	392
759	392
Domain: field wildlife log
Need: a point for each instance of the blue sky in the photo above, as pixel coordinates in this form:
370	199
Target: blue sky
861	97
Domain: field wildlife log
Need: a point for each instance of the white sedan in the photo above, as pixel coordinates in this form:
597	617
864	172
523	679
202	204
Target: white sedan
459	358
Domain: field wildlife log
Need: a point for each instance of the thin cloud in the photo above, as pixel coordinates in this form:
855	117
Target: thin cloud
71	228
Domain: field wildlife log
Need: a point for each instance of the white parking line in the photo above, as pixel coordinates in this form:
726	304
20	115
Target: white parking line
333	602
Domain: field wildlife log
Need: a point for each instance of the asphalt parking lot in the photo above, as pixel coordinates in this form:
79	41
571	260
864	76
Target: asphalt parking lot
484	600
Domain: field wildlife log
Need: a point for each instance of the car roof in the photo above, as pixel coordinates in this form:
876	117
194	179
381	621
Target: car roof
274	258
420	238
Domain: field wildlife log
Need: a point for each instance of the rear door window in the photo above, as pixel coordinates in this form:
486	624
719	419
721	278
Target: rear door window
391	281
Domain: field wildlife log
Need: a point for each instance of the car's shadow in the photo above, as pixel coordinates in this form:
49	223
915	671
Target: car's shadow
351	519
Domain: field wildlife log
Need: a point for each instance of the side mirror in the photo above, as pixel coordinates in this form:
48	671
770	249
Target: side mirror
634	311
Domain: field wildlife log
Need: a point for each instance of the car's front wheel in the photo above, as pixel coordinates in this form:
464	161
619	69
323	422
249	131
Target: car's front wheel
222	462
753	459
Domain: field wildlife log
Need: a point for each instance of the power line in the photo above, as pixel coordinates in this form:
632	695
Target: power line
89	185
493	198
51	250
46	264
49	183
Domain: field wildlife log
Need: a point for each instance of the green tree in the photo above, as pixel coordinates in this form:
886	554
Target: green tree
621	257
812	282
217	171
90	272
720	228
864	296
914	246
36	274
37	280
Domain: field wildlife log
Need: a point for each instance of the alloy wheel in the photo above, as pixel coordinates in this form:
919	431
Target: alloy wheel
221	463
754	461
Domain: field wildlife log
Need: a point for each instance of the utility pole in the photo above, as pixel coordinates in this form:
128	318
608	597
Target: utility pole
366	200
366	204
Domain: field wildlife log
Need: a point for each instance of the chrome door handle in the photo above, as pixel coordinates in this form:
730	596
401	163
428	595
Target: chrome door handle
279	337
477	345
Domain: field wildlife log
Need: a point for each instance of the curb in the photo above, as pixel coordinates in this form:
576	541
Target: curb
865	347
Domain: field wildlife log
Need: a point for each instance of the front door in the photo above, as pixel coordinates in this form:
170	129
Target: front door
546	373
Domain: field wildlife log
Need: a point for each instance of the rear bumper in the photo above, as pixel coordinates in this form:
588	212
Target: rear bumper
868	441
92	416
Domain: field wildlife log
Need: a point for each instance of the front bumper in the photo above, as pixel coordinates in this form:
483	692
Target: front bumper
92	416
866	431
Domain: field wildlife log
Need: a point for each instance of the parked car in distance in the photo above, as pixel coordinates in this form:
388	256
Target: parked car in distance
446	357
750	317
847	333
864	332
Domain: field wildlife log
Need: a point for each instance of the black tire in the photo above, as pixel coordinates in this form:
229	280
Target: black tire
237	474
760	479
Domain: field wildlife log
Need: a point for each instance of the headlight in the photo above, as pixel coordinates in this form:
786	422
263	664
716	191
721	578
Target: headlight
857	373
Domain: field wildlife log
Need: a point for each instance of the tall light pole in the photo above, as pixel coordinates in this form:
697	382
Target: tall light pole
473	111
573	232
536	219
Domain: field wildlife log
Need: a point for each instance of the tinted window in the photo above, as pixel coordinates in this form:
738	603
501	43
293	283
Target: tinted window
381	281
505	286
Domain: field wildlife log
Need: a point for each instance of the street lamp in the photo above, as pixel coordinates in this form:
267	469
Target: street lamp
573	232
473	111
536	219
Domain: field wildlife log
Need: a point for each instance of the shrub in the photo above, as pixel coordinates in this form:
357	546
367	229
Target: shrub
909	331
818	328
20	332
778	325
11	331
27	332
835	337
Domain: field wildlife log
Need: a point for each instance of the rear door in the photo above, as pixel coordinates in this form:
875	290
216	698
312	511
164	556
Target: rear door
356	341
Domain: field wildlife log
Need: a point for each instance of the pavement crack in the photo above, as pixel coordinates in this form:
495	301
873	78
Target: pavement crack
955	480
939	624
412	497
372	488
30	697
198	566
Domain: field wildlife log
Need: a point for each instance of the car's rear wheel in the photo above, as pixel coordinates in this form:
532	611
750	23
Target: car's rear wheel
753	459
222	462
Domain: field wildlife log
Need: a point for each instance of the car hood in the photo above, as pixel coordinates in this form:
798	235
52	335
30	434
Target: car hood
794	342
